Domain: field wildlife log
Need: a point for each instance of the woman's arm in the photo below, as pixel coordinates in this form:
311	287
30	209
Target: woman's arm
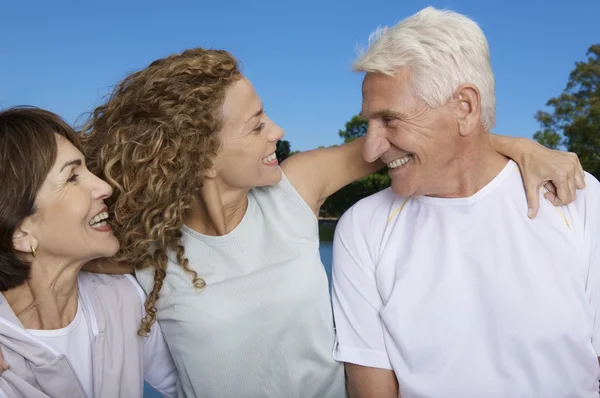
319	173
560	172
106	266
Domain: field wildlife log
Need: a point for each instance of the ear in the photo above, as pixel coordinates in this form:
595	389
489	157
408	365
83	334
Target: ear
23	240
210	173
468	109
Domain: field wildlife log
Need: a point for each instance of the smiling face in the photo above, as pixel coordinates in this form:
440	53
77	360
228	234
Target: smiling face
418	143
70	222
248	141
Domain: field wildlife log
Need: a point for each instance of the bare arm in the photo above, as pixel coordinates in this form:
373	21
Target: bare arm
106	266
366	382
560	172
321	172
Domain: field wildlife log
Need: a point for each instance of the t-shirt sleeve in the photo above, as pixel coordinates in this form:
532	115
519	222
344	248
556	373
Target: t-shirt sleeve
159	368
356	299
589	214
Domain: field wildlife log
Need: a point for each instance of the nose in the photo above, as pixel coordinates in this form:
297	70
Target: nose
100	188
375	144
275	133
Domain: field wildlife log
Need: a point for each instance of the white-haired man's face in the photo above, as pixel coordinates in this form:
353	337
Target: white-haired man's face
418	143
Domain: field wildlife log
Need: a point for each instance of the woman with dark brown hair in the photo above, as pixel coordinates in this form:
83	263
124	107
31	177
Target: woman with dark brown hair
223	239
65	333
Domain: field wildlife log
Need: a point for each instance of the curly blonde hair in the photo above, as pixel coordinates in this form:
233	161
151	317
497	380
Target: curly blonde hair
152	140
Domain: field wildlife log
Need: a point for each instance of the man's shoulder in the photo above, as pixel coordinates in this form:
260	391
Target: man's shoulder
371	213
588	198
592	186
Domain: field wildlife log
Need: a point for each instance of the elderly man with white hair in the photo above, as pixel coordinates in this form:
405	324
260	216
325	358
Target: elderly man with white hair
442	286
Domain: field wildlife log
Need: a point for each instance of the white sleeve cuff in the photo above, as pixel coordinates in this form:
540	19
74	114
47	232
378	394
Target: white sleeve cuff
368	358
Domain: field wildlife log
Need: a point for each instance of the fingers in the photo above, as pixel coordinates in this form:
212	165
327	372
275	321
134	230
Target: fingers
551	196
3	365
579	173
563	188
550	187
533	200
580	179
566	192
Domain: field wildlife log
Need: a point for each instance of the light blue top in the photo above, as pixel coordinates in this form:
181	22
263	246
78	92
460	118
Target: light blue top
263	325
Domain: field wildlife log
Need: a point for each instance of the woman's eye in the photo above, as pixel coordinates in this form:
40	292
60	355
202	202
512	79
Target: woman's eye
260	127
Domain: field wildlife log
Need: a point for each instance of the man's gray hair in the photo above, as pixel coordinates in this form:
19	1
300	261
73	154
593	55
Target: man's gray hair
443	50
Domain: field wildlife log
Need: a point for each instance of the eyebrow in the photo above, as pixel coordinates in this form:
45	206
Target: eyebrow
77	162
388	113
257	114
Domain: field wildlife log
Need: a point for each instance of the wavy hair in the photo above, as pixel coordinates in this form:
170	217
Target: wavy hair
152	140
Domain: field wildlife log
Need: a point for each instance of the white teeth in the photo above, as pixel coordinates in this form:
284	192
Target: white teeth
399	162
98	218
100	224
270	158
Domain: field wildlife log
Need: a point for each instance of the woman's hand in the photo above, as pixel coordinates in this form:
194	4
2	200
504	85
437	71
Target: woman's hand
558	171
3	364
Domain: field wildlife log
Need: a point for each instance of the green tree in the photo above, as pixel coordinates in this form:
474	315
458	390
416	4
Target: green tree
574	119
343	199
355	128
283	150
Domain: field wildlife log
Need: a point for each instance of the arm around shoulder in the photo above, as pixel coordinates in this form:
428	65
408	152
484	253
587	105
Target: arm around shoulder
319	173
106	266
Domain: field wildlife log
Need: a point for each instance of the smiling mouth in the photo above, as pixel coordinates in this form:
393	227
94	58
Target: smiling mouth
99	220
399	162
270	158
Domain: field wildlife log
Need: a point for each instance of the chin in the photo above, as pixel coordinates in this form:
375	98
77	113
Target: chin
402	188
111	247
272	179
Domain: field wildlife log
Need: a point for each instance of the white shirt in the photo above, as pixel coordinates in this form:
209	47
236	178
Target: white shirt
74	342
263	325
467	297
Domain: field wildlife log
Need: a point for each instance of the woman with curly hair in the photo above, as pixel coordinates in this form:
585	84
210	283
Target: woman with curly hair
223	239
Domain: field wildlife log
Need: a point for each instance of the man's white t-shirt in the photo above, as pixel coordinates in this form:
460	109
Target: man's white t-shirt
468	297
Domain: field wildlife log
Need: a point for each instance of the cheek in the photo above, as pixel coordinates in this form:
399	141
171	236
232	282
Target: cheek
68	214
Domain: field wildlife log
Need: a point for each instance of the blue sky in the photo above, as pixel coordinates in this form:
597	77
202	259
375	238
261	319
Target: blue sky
66	55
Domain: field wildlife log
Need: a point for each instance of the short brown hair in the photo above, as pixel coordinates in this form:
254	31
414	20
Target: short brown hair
27	154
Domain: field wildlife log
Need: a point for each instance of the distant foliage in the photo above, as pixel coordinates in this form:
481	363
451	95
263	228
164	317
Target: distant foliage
283	150
574	119
342	200
355	128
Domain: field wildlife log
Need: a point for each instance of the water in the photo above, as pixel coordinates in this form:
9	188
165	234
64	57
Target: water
326	250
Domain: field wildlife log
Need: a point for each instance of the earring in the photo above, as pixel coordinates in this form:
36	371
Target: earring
32	250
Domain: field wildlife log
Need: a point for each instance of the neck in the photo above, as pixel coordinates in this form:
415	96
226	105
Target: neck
473	168
48	299
217	211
